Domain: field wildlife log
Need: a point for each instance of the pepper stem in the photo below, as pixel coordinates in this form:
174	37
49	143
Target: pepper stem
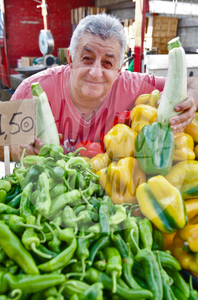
16	294
91	173
75	228
72	261
44	236
72	274
77	219
31	226
62	287
83	268
51	230
35	250
22	157
190	283
137	249
85	237
114	278
85	199
79	149
67	184
38	220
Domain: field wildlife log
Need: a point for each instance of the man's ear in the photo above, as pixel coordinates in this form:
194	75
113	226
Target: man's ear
119	71
69	58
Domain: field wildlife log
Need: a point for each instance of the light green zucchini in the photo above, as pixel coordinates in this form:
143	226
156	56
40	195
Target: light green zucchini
46	129
175	89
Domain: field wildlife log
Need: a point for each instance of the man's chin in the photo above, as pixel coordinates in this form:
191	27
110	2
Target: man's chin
93	96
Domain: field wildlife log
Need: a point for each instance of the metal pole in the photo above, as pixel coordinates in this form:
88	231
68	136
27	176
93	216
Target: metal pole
140	10
44	14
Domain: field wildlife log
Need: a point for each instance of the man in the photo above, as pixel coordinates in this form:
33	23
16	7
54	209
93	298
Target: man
88	93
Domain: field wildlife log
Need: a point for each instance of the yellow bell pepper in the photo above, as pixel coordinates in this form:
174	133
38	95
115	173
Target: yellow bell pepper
120	142
168	241
188	261
142	99
151	99
192	128
192	209
196	152
100	161
184	176
190	234
162	203
184	146
142	115
87	159
154	98
192	213
120	180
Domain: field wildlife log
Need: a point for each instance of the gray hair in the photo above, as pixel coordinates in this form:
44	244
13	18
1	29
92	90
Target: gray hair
105	26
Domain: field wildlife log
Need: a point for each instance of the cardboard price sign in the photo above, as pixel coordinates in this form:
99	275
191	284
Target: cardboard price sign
17	122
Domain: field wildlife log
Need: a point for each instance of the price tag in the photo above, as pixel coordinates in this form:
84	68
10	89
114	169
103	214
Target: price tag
17	122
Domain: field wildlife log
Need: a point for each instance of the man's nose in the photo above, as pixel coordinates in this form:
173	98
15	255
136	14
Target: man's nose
96	69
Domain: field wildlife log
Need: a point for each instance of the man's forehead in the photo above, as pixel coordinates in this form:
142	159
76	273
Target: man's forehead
87	48
88	42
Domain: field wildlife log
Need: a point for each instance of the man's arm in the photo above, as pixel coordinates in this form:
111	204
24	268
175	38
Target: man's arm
189	107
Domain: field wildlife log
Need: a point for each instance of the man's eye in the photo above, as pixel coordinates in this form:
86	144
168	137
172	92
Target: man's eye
107	63
86	58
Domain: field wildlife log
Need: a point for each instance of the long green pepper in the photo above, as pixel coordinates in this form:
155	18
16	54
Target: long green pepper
130	223
145	232
16	251
61	201
114	265
33	283
30	239
127	271
55	243
82	250
167	291
93	275
64	257
43	202
151	270
25	204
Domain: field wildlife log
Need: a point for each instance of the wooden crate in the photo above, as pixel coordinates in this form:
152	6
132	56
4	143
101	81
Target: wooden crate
164	29
79	13
96	10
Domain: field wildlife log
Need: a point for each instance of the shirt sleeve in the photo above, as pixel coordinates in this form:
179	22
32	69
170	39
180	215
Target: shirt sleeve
23	91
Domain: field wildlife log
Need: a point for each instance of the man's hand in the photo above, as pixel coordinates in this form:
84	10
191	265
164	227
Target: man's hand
31	149
181	121
187	107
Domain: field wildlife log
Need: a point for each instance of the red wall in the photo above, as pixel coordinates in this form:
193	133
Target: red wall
24	22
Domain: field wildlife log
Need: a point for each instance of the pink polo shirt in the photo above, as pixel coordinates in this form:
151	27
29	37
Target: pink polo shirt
121	96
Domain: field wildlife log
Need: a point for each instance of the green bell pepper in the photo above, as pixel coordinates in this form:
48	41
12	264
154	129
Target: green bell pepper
154	149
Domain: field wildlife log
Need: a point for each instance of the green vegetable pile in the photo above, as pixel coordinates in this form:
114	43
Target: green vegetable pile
62	238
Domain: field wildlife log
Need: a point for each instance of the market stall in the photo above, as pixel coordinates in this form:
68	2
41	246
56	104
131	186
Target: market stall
112	220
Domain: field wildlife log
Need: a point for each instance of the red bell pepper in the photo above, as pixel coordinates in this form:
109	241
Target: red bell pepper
92	148
102	140
123	118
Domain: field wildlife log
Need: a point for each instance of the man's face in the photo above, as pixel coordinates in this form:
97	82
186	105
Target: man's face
95	67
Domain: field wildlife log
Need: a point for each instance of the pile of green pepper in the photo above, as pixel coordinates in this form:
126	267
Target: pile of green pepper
62	238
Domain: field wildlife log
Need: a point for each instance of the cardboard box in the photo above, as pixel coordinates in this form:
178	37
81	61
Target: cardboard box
62	55
27	61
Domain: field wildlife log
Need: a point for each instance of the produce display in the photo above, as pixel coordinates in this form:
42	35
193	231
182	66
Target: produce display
113	220
61	237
